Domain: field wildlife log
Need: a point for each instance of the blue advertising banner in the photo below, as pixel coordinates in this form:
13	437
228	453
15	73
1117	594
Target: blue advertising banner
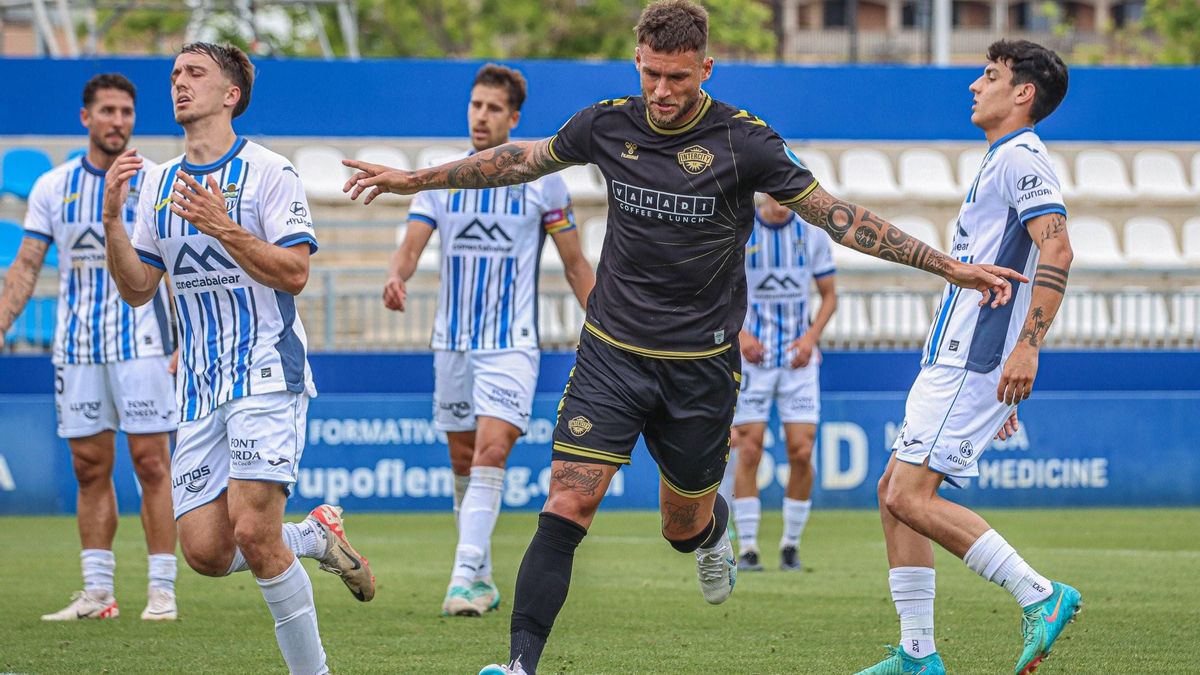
377	452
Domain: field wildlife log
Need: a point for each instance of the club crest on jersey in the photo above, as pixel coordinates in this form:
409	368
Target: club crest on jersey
579	425
231	193
695	159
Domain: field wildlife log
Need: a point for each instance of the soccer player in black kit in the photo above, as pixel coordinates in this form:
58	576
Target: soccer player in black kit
658	353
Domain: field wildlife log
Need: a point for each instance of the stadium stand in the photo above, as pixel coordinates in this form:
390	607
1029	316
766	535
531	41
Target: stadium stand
385	155
1100	175
925	174
436	154
1159	175
821	166
20	168
1094	243
867	174
968	166
321	170
1065	183
584	183
1191	241
10	240
1150	241
922	229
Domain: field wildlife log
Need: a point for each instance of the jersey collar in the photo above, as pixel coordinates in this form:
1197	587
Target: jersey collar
89	167
1008	137
238	144
773	226
705	104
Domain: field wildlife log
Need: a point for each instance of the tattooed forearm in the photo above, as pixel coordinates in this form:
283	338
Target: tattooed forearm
20	281
578	478
508	164
853	226
1035	327
680	518
1054	278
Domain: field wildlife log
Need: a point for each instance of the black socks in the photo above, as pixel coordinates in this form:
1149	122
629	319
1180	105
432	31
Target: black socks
709	536
542	585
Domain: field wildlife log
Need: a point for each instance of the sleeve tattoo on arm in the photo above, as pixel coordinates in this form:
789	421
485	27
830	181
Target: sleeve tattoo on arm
872	234
1035	328
506	164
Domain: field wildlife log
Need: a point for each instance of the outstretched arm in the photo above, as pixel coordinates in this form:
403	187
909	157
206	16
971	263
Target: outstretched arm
853	226
508	164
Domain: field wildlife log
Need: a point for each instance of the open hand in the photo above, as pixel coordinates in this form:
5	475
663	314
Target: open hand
377	178
203	207
116	183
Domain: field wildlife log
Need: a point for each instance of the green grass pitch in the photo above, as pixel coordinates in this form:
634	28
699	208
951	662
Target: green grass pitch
635	606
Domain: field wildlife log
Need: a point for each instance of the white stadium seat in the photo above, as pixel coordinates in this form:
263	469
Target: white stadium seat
1140	316
584	183
846	258
926	175
1101	175
1150	241
433	155
385	155
1159	175
1191	240
1083	317
321	171
1063	173
821	167
921	228
899	315
1196	172
867	174
849	322
968	167
592	238
1094	243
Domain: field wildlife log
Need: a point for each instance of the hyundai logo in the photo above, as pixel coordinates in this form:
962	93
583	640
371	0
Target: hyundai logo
1028	183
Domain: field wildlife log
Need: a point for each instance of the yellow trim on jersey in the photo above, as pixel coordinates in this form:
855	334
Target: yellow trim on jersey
800	197
704	106
590	453
653	353
691	494
737	377
161	205
550	148
752	119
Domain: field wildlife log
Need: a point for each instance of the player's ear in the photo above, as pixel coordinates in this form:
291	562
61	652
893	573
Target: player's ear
84	117
232	95
514	120
637	58
706	68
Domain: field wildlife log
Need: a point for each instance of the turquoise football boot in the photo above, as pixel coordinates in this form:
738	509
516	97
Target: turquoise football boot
1043	622
900	663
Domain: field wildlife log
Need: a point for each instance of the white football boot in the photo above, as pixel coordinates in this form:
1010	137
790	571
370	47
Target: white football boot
717	570
513	668
160	606
95	604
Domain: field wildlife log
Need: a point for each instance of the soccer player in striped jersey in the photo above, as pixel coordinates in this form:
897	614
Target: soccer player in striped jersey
979	362
110	359
228	221
485	336
780	365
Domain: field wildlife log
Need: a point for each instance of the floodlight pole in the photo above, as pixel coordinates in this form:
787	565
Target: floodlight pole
942	16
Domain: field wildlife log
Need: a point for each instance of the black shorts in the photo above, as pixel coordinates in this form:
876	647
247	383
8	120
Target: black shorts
683	407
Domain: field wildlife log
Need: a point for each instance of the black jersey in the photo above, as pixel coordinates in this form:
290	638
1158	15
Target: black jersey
671	281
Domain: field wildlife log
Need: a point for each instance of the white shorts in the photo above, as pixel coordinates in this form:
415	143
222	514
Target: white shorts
493	383
136	396
796	392
950	418
259	437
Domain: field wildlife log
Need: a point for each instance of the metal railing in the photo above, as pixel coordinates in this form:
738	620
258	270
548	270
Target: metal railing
343	310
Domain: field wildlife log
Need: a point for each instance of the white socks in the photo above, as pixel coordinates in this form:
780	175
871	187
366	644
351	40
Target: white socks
305	539
162	571
290	598
460	491
476	520
98	565
913	591
747	512
795	517
995	560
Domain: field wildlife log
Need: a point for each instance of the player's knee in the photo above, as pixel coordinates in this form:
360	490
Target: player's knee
899	503
150	469
749	455
90	472
800	455
206	558
491	454
571	507
256	538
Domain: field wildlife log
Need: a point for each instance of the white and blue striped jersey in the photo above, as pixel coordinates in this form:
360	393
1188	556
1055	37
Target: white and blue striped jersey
781	263
1015	183
491	243
238	337
94	325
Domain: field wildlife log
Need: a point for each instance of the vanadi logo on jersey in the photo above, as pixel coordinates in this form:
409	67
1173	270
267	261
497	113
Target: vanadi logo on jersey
662	205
